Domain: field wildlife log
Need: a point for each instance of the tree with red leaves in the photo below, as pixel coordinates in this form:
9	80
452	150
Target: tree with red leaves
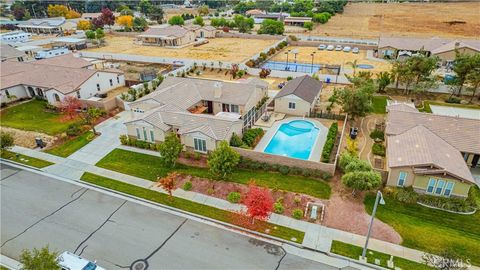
259	202
106	18
70	106
168	182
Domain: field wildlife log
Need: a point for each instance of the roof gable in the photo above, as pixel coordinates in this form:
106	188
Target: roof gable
304	87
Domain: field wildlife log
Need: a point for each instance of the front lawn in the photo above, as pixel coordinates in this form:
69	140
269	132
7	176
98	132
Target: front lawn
149	167
192	207
31	161
33	116
70	146
354	252
431	230
379	104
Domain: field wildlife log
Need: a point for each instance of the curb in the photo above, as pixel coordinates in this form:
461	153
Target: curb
21	164
10	263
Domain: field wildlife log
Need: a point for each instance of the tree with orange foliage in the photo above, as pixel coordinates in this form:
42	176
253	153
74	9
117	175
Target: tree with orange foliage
126	21
84	25
57	10
168	182
72	14
70	105
259	202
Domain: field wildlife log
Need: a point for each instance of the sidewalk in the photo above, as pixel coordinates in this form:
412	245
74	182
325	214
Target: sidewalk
317	237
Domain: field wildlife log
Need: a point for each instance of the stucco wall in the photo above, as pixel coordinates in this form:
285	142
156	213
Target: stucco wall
187	140
302	108
158	134
393	176
15	92
459	189
450	55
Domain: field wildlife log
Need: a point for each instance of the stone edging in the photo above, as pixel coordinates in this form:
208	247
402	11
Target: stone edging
445	210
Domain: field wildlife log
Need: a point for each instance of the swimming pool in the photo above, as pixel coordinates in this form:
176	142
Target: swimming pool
296	67
365	66
294	139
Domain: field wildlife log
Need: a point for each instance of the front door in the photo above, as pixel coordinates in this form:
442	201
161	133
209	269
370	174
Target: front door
209	107
475	161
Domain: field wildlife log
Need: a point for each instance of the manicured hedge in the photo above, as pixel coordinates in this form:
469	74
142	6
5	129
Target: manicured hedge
252	136
125	140
330	142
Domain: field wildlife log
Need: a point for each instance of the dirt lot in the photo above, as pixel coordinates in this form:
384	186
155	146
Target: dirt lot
218	49
170	12
331	58
364	20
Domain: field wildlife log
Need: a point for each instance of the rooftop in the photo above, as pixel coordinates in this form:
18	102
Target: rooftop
304	87
9	52
434	44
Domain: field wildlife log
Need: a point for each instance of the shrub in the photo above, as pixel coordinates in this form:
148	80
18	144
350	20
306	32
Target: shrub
188	154
289	78
124	139
345	159
293	38
187	186
297	200
378	149
234	197
377	135
210	191
197	156
252	136
271	51
297	214
330	142
6	140
250	63
451	204
406	195
453	99
284	170
74	129
278	208
308	25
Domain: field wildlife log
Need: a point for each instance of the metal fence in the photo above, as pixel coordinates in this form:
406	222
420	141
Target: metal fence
329	115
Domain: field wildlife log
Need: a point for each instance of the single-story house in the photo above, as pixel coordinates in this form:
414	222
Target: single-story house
53	80
43	26
15	36
259	18
432	153
297	21
201	112
395	47
70	42
170	36
92	15
9	53
299	96
203	31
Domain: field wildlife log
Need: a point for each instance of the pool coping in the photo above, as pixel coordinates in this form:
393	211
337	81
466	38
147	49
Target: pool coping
316	152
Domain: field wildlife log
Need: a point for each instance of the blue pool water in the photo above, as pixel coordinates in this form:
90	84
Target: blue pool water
294	139
297	67
365	66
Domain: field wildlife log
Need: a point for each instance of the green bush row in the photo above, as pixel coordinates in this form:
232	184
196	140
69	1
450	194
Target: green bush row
330	142
252	136
377	134
125	140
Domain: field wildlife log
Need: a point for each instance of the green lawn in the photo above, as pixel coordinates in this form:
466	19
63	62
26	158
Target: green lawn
32	116
149	167
189	206
355	252
31	161
379	104
431	230
71	146
427	104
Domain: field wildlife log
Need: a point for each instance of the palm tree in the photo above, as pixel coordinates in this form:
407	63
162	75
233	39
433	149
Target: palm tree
354	66
384	78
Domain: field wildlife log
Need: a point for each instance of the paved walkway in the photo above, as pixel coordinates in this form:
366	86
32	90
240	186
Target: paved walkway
317	237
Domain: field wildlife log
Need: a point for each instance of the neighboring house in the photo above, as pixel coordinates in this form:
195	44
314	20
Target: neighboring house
43	26
68	60
53	80
431	153
259	18
203	31
299	96
394	47
176	36
9	53
15	36
70	43
202	112
91	16
297	21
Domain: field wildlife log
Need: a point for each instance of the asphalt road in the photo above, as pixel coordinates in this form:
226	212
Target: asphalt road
37	210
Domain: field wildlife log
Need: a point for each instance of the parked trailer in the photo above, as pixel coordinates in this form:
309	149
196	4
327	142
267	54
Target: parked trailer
52	53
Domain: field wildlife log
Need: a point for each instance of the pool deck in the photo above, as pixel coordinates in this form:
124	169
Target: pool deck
316	152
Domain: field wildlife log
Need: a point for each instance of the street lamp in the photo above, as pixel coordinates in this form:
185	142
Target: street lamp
312	55
378	199
287	52
295	52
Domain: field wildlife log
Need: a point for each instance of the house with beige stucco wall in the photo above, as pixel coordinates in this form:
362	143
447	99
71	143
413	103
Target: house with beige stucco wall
175	35
298	97
201	112
431	153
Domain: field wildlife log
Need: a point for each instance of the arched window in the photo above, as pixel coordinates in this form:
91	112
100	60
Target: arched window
30	90
56	97
39	92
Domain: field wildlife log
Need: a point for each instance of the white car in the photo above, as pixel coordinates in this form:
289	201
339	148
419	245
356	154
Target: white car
330	48
322	47
347	49
70	261
355	50
338	48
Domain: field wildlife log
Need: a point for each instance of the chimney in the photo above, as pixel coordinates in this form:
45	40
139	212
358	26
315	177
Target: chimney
218	90
457	44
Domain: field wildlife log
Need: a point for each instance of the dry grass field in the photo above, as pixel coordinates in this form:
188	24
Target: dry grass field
218	49
369	20
170	12
331	58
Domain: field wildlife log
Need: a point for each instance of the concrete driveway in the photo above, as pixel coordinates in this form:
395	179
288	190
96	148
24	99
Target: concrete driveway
37	210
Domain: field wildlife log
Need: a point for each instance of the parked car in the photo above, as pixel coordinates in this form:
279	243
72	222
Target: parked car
347	49
322	47
330	48
70	261
338	48
355	50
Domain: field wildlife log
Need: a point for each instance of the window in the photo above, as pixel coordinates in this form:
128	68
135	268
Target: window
152	136
98	87
431	185
56	97
200	145
138	133
78	94
118	79
145	134
291	105
448	189
111	82
402	176
234	108
7	93
439	188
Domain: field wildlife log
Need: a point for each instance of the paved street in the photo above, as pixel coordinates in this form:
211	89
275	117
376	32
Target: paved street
37	210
